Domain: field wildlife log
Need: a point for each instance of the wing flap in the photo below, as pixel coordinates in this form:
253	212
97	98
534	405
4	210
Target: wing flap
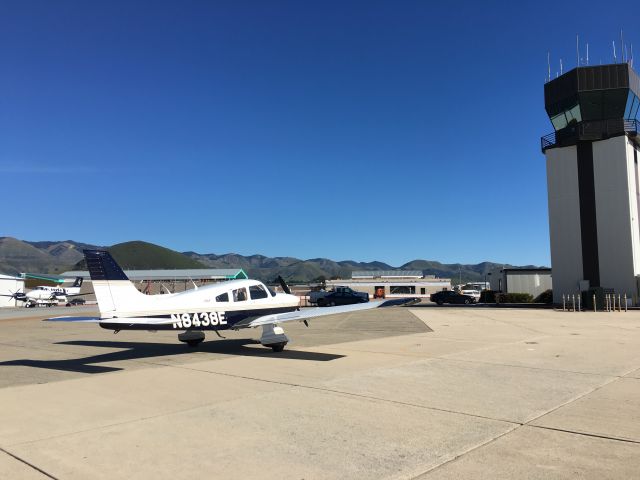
74	319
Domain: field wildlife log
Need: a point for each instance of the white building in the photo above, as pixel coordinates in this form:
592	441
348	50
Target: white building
533	281
8	286
393	284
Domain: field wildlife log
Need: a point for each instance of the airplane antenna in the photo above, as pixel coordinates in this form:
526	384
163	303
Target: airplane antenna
165	287
195	287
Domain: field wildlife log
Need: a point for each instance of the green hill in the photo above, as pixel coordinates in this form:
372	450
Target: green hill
138	255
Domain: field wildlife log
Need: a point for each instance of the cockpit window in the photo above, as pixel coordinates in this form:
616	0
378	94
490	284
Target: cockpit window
240	295
273	294
257	292
222	298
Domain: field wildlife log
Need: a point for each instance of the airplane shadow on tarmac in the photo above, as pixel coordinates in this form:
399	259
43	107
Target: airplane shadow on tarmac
144	350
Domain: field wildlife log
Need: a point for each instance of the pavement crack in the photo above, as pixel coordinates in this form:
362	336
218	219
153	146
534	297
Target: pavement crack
29	464
586	434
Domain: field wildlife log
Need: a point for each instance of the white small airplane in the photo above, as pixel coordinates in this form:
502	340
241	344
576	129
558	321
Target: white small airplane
43	294
231	305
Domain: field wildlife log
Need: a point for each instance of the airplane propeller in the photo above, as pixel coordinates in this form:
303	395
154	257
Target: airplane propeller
17	295
283	284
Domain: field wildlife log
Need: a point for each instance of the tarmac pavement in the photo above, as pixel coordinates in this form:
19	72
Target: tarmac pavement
421	392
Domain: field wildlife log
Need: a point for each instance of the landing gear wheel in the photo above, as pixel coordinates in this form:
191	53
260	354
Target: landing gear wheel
194	343
278	347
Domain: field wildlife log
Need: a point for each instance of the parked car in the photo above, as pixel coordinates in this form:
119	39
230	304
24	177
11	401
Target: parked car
471	292
76	301
314	297
449	296
342	298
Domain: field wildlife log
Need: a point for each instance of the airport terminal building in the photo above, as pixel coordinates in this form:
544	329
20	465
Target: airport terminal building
393	284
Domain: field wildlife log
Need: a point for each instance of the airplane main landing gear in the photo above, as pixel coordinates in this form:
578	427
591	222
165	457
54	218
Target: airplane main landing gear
273	337
193	338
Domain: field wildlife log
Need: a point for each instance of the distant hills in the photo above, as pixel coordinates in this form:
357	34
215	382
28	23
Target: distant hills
56	257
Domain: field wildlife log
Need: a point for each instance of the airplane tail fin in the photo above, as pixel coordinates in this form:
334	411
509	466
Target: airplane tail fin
114	291
77	283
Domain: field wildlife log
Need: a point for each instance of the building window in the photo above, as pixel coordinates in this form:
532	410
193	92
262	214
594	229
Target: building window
423	291
402	290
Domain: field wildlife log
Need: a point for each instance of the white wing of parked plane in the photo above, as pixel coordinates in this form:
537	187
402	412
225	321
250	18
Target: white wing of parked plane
310	313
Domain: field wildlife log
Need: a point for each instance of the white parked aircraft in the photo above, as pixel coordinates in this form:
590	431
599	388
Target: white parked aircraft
232	305
43	294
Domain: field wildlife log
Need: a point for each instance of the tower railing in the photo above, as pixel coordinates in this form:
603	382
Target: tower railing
598	130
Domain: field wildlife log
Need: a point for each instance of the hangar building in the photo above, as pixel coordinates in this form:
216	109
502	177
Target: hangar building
8	286
164	281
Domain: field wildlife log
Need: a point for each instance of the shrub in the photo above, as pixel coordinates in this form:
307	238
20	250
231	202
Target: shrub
544	297
515	297
487	296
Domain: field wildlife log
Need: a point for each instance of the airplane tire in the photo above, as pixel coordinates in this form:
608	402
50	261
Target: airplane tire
278	347
193	343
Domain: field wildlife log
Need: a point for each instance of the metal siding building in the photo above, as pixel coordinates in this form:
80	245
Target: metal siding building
214	274
163	281
521	280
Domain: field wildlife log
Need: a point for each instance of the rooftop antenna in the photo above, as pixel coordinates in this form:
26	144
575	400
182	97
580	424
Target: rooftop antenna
548	67
621	46
560	66
626	56
615	60
587	54
577	50
631	62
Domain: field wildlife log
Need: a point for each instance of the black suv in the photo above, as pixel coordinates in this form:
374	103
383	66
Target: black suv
449	296
342	298
76	301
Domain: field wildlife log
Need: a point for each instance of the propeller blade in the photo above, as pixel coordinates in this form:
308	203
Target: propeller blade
284	285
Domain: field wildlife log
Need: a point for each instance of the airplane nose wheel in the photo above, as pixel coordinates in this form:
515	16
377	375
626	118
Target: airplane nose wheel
278	347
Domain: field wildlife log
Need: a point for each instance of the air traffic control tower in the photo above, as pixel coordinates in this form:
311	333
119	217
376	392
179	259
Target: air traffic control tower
593	180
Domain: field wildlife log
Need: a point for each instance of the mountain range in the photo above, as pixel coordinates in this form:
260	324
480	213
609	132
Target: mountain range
53	257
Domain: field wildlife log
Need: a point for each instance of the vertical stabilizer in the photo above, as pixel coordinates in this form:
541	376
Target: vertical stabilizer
110	284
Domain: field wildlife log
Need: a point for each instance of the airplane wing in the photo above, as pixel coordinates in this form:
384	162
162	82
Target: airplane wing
74	319
310	313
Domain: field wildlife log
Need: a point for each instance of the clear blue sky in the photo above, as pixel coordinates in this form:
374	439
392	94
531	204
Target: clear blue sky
368	130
